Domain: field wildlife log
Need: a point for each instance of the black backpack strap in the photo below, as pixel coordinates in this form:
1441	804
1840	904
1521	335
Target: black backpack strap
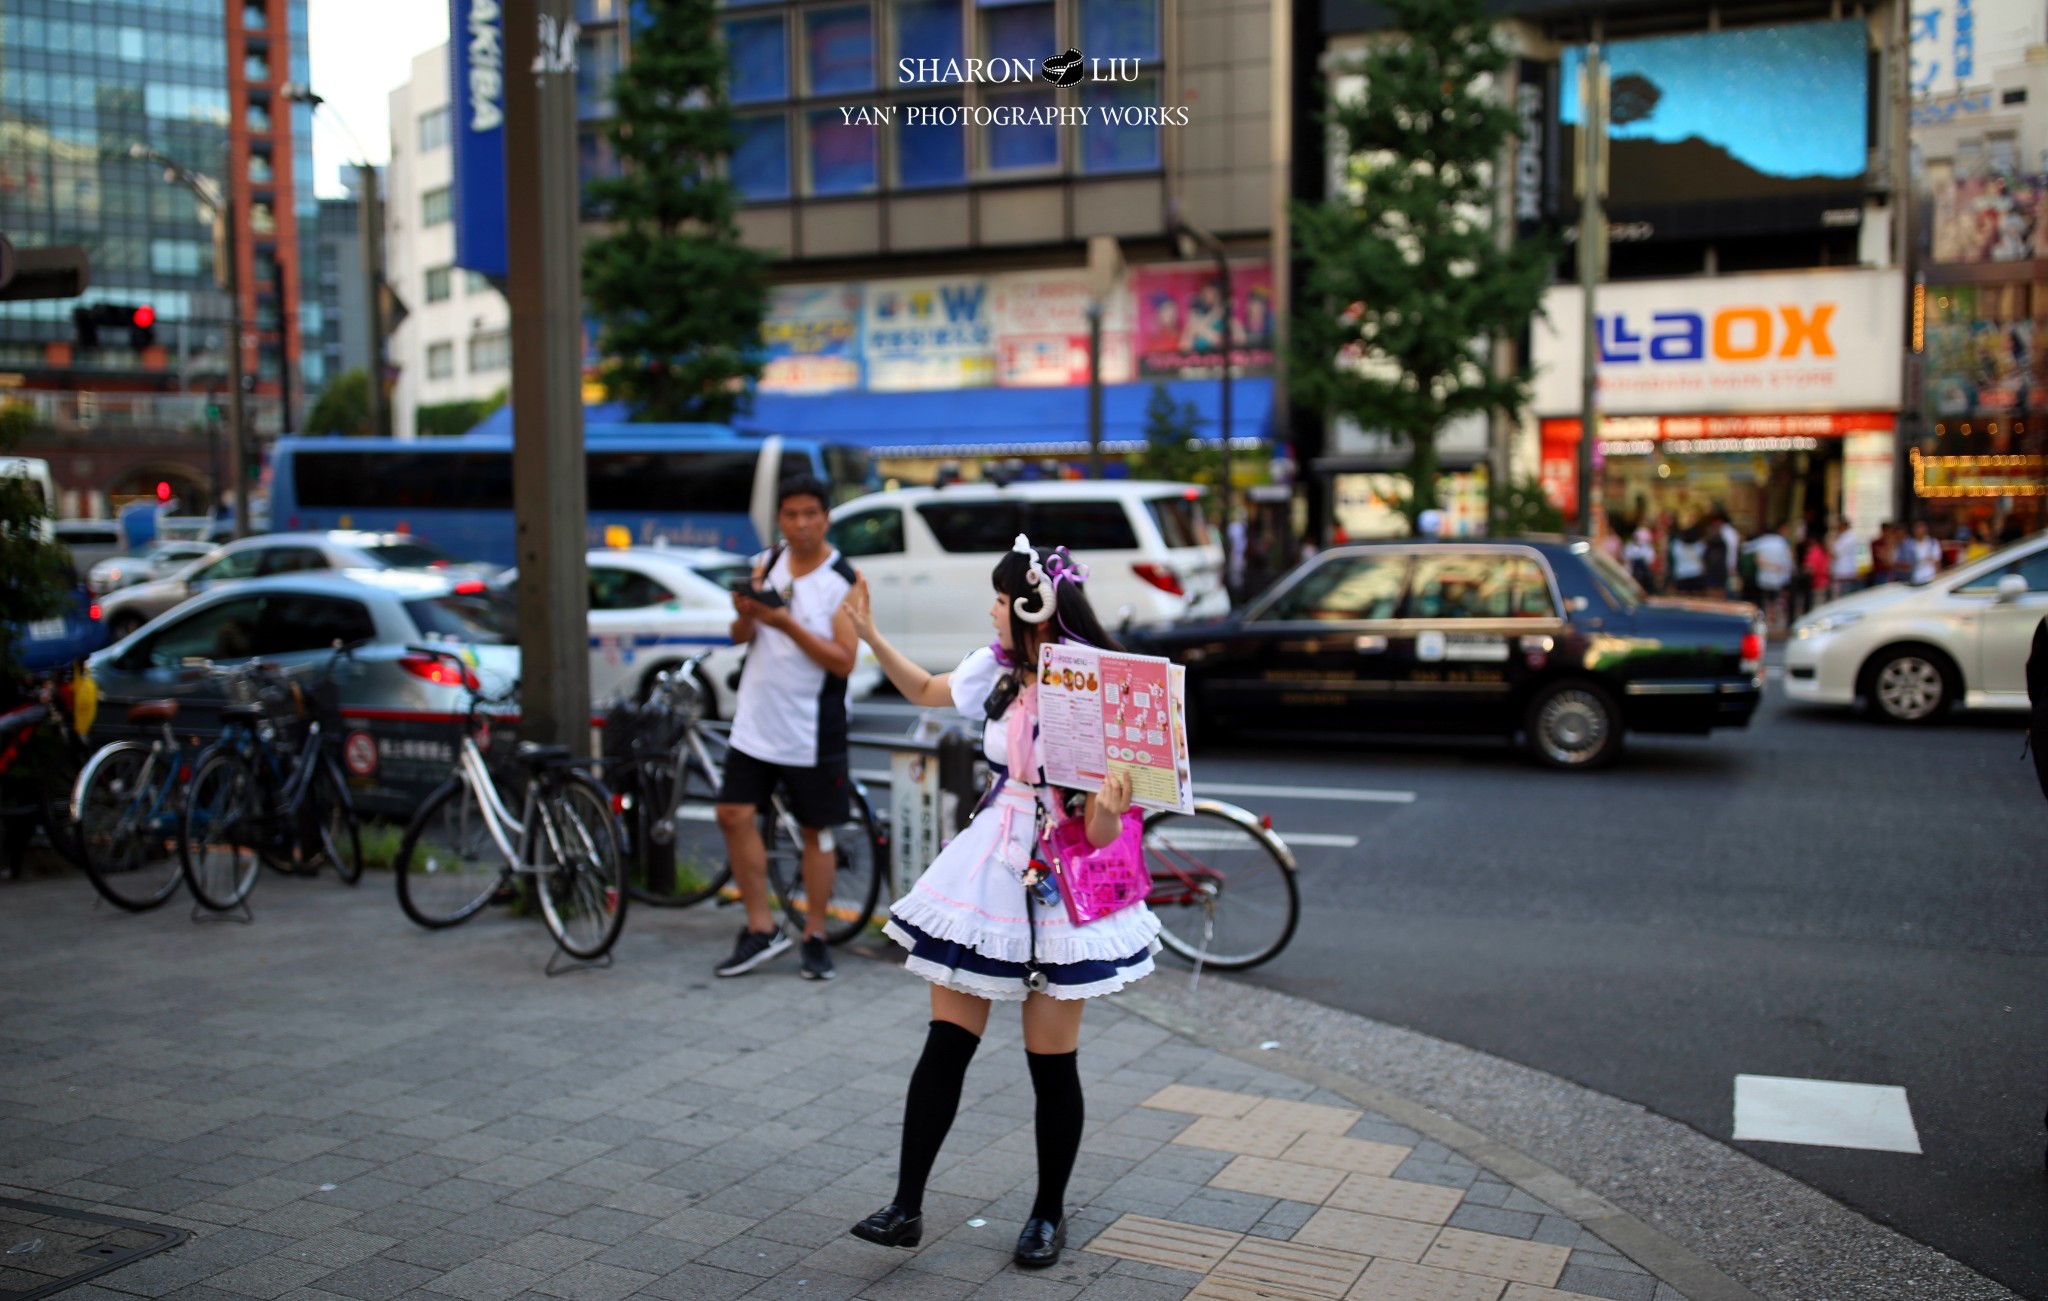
844	568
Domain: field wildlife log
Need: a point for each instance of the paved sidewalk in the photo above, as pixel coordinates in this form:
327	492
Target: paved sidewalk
335	1103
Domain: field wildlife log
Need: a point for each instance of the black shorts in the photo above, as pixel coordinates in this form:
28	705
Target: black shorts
819	798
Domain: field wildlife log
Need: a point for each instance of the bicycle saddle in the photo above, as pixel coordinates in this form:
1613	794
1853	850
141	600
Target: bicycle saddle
535	755
153	711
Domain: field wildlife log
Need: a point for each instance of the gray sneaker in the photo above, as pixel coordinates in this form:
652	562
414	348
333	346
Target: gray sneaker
753	949
817	960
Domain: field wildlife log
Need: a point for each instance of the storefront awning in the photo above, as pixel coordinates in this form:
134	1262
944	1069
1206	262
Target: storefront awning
1006	422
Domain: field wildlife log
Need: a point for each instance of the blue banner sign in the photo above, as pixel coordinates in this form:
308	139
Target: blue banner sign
476	92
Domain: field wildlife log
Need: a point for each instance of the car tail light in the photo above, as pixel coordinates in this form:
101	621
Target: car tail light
439	671
1752	651
618	803
474	587
1160	577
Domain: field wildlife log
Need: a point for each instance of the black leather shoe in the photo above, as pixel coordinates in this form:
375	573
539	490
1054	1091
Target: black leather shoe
892	1226
1039	1245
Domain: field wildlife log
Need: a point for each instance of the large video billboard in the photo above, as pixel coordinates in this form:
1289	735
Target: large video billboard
1752	130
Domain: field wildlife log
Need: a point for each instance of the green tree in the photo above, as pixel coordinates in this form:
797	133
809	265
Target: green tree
343	407
440	419
35	572
1406	284
1522	507
678	298
1171	447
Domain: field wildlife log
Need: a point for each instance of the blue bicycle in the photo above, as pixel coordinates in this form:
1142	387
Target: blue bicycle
127	806
269	790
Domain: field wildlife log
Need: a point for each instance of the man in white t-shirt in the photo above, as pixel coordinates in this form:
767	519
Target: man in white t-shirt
1923	553
789	729
1773	570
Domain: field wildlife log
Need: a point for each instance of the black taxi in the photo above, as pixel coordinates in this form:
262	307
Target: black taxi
1546	637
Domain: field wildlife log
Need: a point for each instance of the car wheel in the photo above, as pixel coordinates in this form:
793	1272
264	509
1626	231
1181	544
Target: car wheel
1910	684
124	623
1574	724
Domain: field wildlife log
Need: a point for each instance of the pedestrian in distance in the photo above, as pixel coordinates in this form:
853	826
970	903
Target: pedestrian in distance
1922	552
1731	547
789	728
977	923
1689	561
1774	567
1812	583
1639	553
1845	561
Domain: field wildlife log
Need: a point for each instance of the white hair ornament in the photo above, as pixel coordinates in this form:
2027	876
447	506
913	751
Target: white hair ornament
1039	584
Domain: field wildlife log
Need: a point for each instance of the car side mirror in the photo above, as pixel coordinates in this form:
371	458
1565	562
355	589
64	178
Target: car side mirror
2011	587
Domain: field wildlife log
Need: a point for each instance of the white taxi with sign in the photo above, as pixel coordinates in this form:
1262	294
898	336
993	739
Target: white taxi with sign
651	608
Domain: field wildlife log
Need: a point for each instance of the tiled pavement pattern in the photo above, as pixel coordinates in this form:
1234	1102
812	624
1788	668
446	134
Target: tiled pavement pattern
340	1105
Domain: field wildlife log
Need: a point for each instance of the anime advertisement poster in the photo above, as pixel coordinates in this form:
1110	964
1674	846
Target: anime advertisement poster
928	334
1179	319
812	336
1041	330
1989	216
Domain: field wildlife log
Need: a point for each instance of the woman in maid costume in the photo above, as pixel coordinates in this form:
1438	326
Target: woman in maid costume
984	923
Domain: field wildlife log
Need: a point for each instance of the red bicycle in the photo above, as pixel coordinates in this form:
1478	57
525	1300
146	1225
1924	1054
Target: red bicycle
1223	885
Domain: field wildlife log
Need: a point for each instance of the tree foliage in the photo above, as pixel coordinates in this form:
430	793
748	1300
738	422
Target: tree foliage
1406	284
343	407
679	299
35	572
443	419
1171	447
1522	507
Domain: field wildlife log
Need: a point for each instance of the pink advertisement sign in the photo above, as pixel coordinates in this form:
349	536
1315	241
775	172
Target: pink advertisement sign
1180	319
1041	329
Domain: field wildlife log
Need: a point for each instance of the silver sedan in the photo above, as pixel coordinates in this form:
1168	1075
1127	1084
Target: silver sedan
277	553
400	710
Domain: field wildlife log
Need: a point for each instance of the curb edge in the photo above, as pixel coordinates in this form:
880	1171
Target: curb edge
1668	1260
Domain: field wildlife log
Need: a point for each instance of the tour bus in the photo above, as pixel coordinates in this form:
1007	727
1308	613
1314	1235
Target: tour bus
648	485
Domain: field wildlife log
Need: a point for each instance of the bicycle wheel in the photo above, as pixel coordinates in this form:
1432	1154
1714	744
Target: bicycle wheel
859	851
335	826
677	854
582	873
448	864
1222	887
127	819
216	834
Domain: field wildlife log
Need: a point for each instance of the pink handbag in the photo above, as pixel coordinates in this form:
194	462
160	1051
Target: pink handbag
1097	882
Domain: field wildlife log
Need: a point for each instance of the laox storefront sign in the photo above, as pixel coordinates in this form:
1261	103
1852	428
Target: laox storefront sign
1816	341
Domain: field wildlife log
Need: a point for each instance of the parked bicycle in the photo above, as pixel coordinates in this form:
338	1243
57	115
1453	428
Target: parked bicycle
464	845
667	769
269	789
1223	885
128	804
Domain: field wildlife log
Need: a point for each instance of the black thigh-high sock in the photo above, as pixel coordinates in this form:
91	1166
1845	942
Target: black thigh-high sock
929	1107
1056	1079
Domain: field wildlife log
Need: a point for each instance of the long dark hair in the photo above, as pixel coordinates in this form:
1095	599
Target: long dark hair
1074	619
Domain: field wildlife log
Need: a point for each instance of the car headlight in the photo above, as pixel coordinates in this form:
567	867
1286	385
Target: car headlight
1827	623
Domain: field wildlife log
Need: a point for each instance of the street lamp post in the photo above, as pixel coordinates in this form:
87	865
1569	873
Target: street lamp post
1214	247
223	212
370	224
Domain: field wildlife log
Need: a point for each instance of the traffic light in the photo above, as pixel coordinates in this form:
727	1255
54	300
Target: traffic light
163	491
139	321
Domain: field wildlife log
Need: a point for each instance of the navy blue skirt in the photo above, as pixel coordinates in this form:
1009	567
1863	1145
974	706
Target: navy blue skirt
957	967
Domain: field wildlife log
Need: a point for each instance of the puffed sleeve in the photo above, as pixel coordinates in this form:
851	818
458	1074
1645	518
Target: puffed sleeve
973	680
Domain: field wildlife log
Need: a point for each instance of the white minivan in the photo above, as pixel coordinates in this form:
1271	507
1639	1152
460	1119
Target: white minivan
928	552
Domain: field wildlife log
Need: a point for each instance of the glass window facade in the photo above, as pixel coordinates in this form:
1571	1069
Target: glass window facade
1112	140
760	156
440	284
759	51
843	154
927	29
436	207
929	155
491	351
839	48
434	129
440	360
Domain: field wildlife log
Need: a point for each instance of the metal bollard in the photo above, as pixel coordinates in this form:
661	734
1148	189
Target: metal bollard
957	755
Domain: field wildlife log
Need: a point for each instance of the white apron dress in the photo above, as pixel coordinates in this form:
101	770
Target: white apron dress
965	921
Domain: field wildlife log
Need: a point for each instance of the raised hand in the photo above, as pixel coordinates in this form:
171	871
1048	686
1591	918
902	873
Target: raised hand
859	606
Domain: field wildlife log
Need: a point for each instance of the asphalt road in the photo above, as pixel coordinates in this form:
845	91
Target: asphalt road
1816	897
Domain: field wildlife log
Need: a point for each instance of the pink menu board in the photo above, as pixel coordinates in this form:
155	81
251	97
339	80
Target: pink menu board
1105	711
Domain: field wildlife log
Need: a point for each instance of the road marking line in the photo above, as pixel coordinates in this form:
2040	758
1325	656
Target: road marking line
1336	794
880	776
1198	837
1824	1113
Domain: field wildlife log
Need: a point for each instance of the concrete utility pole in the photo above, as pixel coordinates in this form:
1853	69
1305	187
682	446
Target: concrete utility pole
546	294
370	223
1593	90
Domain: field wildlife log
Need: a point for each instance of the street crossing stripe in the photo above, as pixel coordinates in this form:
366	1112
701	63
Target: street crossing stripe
1824	1113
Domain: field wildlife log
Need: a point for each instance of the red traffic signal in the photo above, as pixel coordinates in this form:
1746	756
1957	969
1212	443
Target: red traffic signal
145	316
163	491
